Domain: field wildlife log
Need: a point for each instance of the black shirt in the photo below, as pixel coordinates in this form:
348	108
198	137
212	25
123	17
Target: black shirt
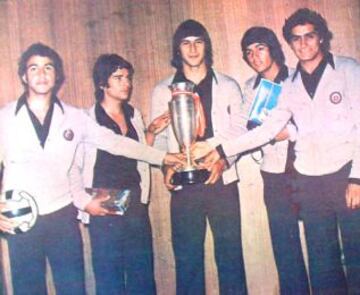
111	171
204	89
42	130
311	81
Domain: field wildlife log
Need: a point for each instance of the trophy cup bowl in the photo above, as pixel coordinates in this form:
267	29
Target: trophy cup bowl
182	112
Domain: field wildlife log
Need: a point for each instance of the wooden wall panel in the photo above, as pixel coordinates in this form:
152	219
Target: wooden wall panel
141	31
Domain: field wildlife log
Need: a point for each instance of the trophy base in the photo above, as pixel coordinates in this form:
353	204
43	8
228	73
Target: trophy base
190	177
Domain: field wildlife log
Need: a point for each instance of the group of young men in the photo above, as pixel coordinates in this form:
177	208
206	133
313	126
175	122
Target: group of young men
53	150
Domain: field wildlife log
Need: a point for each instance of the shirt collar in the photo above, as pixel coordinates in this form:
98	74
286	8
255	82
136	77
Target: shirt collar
100	112
328	59
22	101
180	77
280	77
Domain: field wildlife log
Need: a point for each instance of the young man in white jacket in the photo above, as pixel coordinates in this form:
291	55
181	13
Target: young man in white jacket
121	245
218	200
323	99
39	135
262	52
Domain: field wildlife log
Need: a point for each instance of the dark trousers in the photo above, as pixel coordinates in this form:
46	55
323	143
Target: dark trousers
285	236
190	207
55	236
324	211
122	251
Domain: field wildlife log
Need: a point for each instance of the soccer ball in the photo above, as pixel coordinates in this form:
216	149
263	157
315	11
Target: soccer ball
22	208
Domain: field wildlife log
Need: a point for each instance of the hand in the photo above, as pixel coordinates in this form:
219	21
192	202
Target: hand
216	171
6	224
282	135
200	149
210	160
353	196
176	160
169	172
94	207
156	126
159	123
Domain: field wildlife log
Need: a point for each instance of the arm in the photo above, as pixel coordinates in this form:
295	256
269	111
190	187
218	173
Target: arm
238	112
6	224
353	93
103	138
264	133
160	97
250	140
288	133
75	176
82	200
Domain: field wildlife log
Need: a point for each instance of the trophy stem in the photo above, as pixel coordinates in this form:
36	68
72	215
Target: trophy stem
188	157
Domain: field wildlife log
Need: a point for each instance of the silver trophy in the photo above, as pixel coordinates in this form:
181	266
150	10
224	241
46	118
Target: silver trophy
183	113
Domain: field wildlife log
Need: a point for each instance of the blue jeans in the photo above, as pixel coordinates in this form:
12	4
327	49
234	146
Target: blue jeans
285	236
324	212
190	207
122	251
55	236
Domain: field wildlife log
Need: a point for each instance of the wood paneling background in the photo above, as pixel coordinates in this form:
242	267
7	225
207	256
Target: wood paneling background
141	31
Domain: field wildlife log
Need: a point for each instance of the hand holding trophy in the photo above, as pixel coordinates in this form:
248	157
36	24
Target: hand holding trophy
183	119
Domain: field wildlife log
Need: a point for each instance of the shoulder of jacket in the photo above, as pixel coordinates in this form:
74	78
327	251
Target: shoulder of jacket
9	107
165	82
224	79
345	62
90	111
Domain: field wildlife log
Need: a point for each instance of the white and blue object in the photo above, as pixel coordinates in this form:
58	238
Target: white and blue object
265	100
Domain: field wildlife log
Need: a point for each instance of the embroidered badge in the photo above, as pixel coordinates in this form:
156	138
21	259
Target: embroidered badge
68	134
335	97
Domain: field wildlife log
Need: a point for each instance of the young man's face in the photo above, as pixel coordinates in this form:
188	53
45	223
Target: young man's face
119	85
259	57
305	42
192	50
40	75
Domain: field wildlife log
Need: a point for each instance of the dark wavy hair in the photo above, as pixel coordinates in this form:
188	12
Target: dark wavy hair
189	28
44	51
306	16
266	36
105	65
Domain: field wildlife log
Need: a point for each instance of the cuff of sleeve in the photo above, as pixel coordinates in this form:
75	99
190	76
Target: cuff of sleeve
354	180
221	152
159	157
80	202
